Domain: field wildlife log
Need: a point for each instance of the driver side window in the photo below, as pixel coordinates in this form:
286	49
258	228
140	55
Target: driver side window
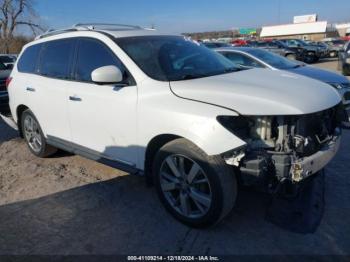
93	54
240	59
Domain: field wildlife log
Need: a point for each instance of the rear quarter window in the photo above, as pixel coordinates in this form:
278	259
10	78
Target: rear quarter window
28	60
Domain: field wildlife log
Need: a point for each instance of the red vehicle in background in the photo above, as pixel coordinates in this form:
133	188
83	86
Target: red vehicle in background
240	42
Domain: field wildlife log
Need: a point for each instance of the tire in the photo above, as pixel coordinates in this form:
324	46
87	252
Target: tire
291	56
346	70
185	196
34	136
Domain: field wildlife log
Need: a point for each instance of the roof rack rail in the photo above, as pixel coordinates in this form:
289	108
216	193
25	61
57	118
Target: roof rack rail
93	26
52	32
89	26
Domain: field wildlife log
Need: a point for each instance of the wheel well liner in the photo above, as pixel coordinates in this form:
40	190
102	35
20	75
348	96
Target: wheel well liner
152	148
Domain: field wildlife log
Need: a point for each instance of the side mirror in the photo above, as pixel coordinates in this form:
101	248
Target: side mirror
9	67
107	75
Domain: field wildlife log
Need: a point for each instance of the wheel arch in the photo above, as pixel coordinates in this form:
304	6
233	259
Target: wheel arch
151	150
19	111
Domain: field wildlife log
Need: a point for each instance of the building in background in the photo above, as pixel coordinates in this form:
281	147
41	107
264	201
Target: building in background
306	27
343	29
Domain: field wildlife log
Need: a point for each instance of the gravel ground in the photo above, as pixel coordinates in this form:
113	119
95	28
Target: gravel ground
71	205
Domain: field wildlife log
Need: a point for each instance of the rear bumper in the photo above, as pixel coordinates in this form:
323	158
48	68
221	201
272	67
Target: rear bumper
9	121
305	167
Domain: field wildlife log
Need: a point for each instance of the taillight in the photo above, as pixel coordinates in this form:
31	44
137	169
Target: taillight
8	81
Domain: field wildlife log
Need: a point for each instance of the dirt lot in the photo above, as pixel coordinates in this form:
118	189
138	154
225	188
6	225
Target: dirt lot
70	205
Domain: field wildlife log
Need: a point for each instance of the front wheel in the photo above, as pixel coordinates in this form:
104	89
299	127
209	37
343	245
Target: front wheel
197	189
34	136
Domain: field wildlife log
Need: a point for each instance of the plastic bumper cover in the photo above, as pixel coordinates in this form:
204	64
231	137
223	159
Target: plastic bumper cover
305	167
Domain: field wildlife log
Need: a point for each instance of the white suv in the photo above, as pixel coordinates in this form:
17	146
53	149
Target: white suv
173	110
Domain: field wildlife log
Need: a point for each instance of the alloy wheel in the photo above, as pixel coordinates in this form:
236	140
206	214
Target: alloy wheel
185	186
32	133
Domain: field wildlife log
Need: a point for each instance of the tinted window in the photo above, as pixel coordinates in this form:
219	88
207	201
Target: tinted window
55	58
93	54
7	59
240	59
274	60
28	60
173	58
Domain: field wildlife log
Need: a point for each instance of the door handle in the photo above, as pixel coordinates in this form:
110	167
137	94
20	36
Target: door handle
75	98
30	89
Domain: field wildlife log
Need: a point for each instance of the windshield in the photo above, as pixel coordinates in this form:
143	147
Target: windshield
274	60
173	58
301	42
6	59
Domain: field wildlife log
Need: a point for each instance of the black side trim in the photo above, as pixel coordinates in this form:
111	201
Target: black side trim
92	155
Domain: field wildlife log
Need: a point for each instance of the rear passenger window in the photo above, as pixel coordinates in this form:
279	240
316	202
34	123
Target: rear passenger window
28	60
55	58
92	54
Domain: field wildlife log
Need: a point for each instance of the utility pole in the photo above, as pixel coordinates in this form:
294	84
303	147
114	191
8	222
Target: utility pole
279	11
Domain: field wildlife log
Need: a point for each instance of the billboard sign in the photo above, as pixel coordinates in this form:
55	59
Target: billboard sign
247	31
305	19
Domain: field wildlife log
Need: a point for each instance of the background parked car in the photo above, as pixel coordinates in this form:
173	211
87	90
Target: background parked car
272	46
4	99
216	44
8	60
344	59
335	45
307	53
248	58
323	47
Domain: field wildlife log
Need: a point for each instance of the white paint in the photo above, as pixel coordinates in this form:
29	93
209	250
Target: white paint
294	29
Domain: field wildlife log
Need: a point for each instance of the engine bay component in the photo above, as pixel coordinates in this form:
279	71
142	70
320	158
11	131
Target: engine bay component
285	147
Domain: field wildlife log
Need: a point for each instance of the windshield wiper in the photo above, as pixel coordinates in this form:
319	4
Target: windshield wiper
233	69
300	65
192	76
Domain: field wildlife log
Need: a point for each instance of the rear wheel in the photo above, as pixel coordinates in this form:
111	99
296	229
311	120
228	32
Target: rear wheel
34	137
197	189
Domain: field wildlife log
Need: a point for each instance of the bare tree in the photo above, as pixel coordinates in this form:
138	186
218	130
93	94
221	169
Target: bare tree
14	14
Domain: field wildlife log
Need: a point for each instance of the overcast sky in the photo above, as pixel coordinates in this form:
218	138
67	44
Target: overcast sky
179	16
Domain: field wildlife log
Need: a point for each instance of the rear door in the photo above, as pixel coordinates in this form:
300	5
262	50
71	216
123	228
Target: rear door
102	117
47	88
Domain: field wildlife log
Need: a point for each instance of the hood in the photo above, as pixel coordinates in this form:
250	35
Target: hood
320	74
260	92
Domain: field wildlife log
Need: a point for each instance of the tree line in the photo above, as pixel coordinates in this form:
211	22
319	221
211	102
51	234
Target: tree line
17	15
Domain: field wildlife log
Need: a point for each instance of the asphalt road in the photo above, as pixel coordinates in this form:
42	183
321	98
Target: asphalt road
70	205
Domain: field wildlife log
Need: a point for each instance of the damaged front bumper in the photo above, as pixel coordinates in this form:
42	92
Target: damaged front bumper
307	166
272	166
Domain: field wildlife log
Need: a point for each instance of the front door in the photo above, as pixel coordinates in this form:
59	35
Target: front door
102	117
